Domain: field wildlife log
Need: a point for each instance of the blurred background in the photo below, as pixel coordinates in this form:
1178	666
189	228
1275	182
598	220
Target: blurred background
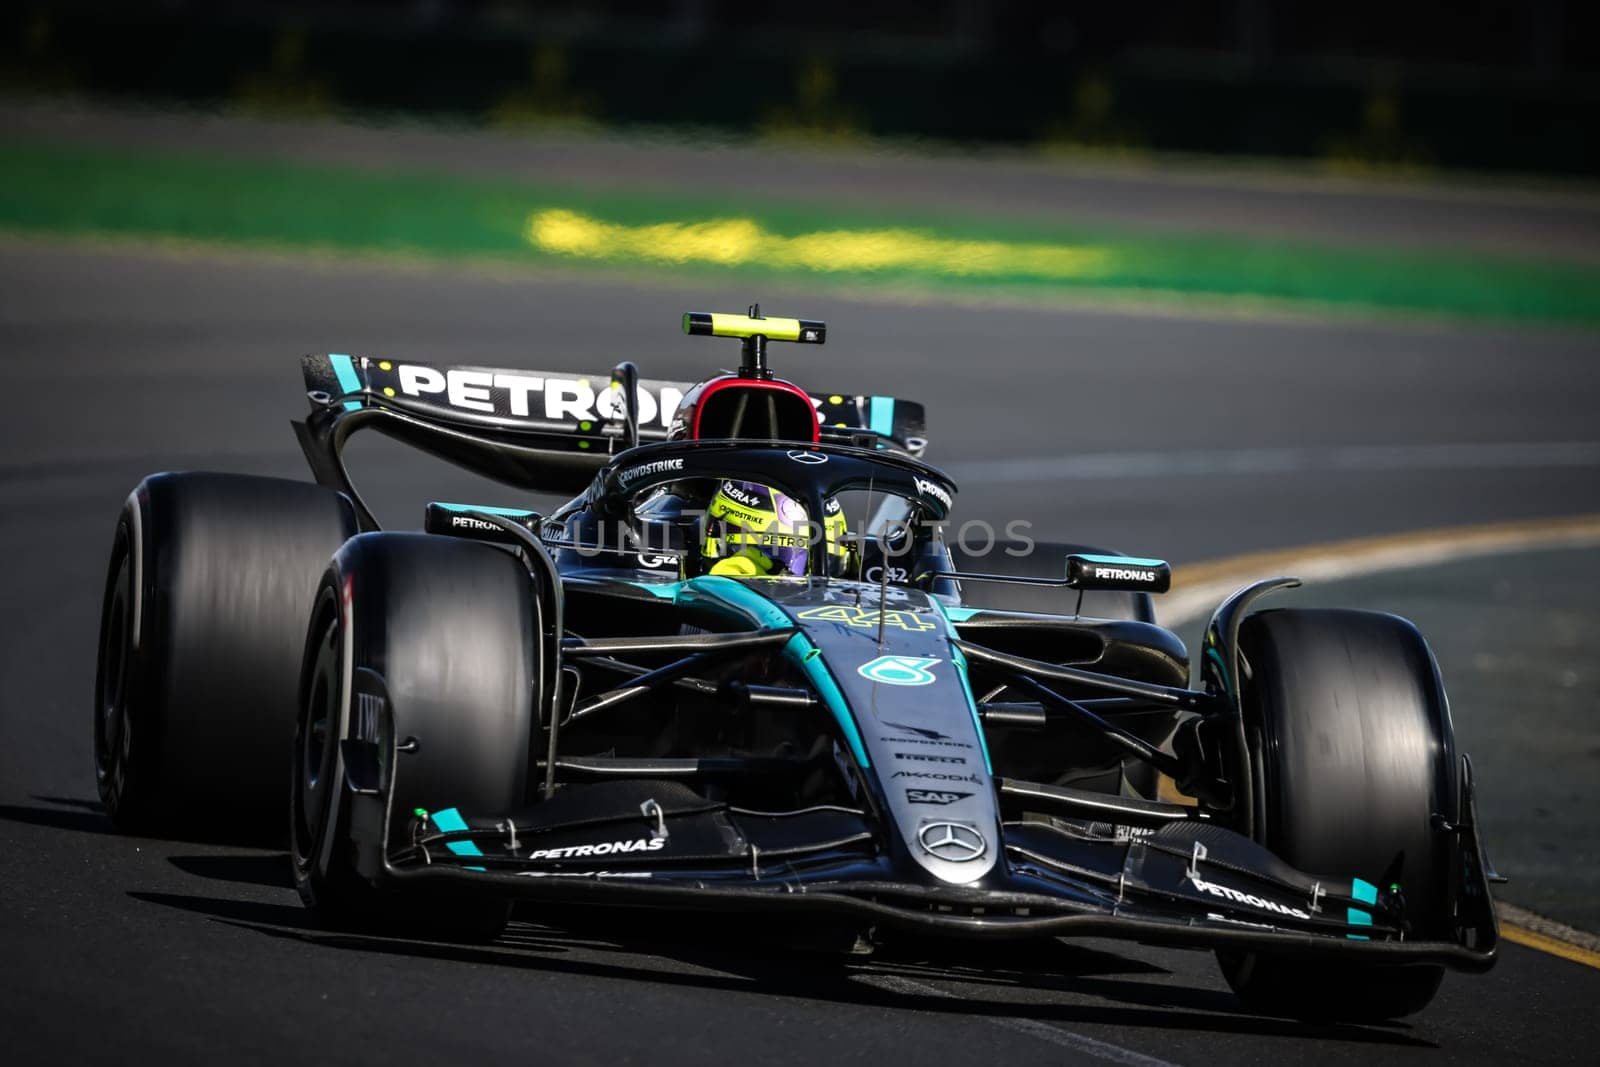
1207	280
1493	85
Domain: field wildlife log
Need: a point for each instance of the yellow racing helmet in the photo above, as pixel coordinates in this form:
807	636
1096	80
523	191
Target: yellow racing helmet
754	530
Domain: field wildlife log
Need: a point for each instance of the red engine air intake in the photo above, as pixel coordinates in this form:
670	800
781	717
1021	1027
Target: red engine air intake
751	409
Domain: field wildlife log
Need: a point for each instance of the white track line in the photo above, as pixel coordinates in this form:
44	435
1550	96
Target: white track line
1509	455
1100	1050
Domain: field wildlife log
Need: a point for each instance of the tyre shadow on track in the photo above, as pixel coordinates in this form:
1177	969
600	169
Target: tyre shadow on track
270	870
740	966
84	818
88	816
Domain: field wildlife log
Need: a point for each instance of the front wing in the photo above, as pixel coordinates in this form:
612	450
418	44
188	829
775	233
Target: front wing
657	843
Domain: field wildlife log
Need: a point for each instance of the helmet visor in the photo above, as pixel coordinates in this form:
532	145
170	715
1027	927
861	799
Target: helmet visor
760	521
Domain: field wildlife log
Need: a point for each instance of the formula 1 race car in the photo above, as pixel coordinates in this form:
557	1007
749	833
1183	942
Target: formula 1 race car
743	670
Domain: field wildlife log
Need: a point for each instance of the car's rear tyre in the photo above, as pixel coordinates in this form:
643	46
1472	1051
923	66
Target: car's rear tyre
1352	754
1043	559
448	625
201	628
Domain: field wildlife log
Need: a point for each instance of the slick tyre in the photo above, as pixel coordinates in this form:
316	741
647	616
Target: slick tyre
201	628
1042	559
446	628
1352	754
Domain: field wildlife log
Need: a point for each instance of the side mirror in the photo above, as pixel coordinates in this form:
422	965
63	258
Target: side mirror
1118	572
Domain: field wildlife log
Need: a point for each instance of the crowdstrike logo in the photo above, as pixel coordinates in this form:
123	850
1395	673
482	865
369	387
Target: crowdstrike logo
645	470
933	489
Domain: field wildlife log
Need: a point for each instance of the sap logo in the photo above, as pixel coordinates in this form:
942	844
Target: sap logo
898	670
502	393
934	796
604	848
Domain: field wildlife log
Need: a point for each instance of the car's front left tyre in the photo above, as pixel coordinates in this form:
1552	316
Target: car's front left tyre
448	627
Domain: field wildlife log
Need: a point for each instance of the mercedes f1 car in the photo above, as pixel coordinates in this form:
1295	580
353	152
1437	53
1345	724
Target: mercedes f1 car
745	669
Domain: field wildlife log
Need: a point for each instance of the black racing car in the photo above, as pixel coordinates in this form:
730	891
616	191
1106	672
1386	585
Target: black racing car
637	700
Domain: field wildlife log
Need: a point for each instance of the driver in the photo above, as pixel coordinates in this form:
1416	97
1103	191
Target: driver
754	530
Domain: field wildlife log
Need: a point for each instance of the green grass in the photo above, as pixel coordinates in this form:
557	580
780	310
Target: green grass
51	189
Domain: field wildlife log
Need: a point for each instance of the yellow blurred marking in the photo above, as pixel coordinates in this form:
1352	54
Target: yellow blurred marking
384	364
388	390
1530	939
1199	587
738	242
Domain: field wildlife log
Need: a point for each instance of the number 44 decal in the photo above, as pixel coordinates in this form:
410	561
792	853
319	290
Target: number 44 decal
898	670
867	618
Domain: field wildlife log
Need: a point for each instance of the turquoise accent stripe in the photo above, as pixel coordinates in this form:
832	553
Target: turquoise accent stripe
1357	917
344	368
959	662
449	821
1365	892
799	651
1114	560
767	615
516	513
960	614
880	415
762	611
1216	657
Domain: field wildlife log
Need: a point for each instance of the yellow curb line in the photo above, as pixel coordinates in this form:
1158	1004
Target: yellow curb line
1541	943
1199	587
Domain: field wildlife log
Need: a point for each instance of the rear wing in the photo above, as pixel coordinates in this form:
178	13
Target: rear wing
546	431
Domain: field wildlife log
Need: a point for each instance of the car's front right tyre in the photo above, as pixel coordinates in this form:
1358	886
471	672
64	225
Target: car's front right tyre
1353	758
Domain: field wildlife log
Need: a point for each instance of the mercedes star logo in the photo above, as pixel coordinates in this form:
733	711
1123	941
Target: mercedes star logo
808	458
953	841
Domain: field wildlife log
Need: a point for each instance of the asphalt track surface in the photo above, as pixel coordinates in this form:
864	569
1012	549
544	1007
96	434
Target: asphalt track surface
120	362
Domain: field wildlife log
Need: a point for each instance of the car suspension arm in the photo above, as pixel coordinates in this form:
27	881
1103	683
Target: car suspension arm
1165	695
1168	765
